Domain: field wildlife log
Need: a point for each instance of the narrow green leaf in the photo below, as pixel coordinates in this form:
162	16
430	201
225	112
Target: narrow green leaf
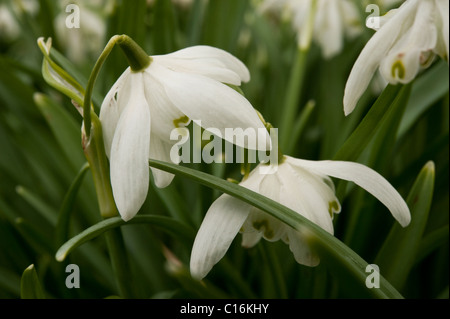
65	129
30	287
168	224
386	136
195	22
336	251
174	203
164	27
119	262
37	238
363	134
9	282
57	77
379	150
300	124
62	225
427	89
74	72
398	253
47	212
432	241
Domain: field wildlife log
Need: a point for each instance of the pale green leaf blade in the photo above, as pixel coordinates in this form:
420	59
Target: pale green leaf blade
30	286
168	224
398	253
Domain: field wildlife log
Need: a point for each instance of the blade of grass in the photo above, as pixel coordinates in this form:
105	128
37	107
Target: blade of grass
30	286
168	224
398	253
62	225
363	134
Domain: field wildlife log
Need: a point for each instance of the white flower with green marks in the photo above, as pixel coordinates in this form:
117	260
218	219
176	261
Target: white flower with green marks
325	22
408	40
145	105
301	185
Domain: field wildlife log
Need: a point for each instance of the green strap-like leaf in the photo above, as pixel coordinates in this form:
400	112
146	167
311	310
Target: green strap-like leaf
427	89
65	129
41	207
363	134
62	225
398	253
30	287
335	251
168	224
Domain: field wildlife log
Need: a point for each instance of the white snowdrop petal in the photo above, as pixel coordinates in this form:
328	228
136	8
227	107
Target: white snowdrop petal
129	153
202	52
368	179
110	110
216	106
160	150
210	68
218	229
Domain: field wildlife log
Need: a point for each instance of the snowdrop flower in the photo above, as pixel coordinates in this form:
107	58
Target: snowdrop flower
332	21
142	108
407	41
9	28
301	185
83	38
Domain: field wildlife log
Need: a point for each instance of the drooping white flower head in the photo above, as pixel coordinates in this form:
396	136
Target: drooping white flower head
332	21
142	108
301	185
407	41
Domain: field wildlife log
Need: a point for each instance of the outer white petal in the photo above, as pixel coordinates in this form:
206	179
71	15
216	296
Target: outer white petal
372	54
160	150
165	113
129	152
211	68
442	8
215	104
298	244
110	109
300	193
366	178
269	227
218	229
250	236
208	53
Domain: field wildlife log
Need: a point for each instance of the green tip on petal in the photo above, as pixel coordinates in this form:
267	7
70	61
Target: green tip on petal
398	70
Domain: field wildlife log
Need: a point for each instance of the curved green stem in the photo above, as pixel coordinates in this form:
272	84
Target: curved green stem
137	59
293	97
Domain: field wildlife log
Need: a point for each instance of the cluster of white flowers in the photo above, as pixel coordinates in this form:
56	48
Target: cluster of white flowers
331	21
144	106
